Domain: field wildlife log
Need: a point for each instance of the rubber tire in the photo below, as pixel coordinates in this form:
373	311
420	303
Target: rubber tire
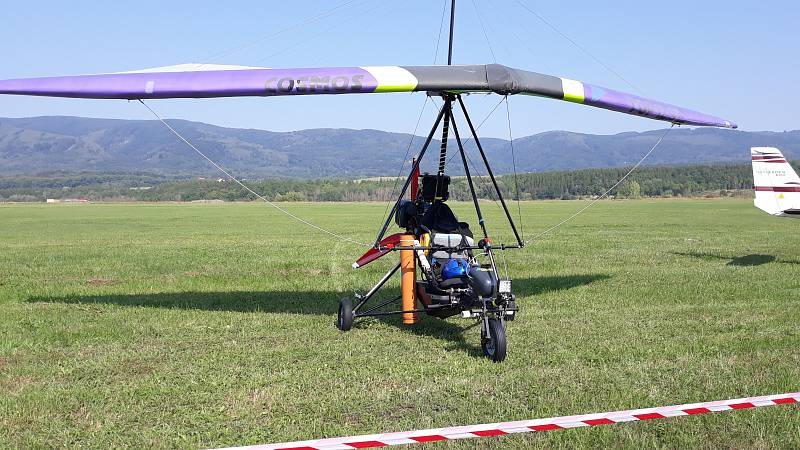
494	345
344	321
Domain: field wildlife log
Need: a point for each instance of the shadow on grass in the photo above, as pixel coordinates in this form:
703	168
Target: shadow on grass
741	261
454	332
324	303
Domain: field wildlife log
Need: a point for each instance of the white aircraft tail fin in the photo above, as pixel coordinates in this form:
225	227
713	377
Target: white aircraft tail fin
776	183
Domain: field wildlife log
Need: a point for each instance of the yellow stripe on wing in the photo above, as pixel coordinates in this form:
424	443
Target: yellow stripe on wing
573	90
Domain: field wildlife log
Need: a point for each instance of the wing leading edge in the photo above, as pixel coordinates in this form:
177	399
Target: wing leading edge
198	81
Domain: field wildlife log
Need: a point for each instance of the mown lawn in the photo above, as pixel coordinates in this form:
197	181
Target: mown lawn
202	325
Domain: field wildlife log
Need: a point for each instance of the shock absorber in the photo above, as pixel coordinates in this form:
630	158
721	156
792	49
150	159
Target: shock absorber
445	137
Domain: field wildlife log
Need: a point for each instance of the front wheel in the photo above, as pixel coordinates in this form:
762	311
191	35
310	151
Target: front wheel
493	340
344	321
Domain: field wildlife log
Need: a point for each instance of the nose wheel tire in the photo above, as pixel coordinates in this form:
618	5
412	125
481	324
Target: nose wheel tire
493	340
344	321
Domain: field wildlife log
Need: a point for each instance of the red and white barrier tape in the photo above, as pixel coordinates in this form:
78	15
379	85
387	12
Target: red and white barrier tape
527	426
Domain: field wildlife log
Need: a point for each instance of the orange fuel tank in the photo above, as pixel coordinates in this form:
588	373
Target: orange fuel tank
408	281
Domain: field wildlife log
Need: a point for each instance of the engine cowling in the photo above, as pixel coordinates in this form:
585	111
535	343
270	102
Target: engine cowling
482	281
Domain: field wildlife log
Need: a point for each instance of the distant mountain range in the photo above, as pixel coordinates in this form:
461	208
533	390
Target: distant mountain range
72	144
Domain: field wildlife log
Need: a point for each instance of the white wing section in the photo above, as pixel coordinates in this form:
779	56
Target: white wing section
192	67
776	184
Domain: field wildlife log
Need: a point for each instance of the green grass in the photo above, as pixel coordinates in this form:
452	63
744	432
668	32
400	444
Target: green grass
183	325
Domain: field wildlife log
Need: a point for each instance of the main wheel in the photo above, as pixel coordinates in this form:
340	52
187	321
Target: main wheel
493	341
345	320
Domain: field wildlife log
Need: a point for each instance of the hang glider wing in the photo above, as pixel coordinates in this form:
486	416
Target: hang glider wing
203	81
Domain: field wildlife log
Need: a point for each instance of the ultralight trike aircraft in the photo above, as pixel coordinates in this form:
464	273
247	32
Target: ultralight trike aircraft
453	280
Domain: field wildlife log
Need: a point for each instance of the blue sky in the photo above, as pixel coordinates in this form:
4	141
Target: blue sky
734	59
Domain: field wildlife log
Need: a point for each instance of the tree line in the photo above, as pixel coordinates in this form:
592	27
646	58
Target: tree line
657	181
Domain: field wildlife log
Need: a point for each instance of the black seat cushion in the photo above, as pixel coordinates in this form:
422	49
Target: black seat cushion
440	218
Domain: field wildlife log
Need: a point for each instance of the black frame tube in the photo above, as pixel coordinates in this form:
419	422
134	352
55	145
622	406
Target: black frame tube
372	291
392	313
377	307
489	170
408	180
469	181
450	249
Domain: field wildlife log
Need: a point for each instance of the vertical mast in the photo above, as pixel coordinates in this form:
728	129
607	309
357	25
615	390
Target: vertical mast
447	99
452	25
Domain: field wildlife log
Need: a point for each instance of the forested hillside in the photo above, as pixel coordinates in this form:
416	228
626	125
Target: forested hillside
32	146
667	181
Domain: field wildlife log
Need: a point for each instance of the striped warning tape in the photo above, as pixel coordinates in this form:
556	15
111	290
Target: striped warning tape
527	426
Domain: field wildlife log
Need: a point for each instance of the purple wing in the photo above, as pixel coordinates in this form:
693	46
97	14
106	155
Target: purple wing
203	81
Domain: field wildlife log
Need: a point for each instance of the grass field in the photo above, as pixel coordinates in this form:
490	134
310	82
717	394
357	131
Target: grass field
186	325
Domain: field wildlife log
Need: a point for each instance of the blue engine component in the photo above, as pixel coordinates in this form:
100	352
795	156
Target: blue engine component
455	268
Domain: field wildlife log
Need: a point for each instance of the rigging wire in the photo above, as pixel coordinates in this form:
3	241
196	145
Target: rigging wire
540	62
605	194
419	119
480	20
578	46
476	129
505	263
307	20
514	165
245	187
485	16
331	12
441	26
481	179
323	32
473	165
405	159
508	115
